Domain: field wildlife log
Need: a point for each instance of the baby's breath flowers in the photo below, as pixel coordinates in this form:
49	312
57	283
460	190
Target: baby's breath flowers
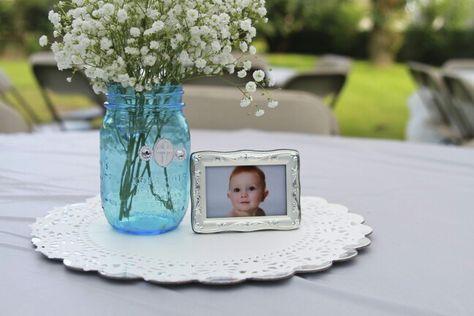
258	75
142	43
43	40
251	87
272	104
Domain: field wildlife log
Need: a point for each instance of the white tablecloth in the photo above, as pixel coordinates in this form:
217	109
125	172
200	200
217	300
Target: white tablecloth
418	198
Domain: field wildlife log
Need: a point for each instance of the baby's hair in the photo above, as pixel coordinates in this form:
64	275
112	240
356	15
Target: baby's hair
240	169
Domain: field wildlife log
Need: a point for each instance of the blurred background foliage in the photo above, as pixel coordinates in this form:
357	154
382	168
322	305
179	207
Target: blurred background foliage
374	33
429	31
22	22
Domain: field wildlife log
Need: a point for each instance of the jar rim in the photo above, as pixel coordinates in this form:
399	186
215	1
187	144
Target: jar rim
159	97
117	88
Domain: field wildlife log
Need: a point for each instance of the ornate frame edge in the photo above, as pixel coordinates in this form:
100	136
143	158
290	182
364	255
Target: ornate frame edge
202	159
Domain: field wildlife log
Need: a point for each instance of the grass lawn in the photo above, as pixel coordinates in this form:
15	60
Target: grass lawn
372	104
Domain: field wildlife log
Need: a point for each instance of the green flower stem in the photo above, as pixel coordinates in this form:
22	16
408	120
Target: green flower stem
169	202
133	171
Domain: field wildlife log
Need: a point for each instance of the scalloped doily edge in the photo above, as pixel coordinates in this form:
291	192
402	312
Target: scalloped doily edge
352	251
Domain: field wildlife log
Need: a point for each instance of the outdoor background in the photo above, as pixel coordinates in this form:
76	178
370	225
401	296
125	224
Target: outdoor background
380	35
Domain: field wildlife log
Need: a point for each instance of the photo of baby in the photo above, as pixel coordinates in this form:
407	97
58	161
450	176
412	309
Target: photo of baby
246	191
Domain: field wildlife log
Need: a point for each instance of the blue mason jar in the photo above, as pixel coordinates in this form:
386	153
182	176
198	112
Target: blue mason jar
144	159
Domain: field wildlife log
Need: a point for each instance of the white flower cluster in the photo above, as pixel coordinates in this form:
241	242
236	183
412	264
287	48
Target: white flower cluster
142	43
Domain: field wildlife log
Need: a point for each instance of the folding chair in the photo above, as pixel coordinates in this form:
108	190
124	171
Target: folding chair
9	92
298	112
434	95
11	121
326	84
427	79
52	80
462	97
458	65
226	79
334	62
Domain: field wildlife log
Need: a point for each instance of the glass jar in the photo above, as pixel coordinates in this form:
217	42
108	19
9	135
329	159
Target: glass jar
144	159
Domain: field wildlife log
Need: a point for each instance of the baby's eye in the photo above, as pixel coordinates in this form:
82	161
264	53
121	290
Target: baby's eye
236	190
252	188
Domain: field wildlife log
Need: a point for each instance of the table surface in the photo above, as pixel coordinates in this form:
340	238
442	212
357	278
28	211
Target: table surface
418	199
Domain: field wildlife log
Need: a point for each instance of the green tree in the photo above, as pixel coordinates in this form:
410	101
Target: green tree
338	18
7	23
442	14
385	39
285	17
23	21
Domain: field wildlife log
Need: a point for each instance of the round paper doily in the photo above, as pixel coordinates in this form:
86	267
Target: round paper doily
80	236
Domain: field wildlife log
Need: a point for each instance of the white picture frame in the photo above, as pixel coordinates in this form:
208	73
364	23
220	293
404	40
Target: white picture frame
212	174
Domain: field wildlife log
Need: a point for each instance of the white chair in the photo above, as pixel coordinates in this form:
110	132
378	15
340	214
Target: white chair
218	108
422	126
52	80
334	62
226	79
435	97
9	92
461	93
326	84
11	121
459	64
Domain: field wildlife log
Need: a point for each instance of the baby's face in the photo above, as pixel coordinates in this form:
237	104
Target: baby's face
246	192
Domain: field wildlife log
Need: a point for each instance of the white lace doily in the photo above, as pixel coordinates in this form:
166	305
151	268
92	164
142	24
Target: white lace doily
80	236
